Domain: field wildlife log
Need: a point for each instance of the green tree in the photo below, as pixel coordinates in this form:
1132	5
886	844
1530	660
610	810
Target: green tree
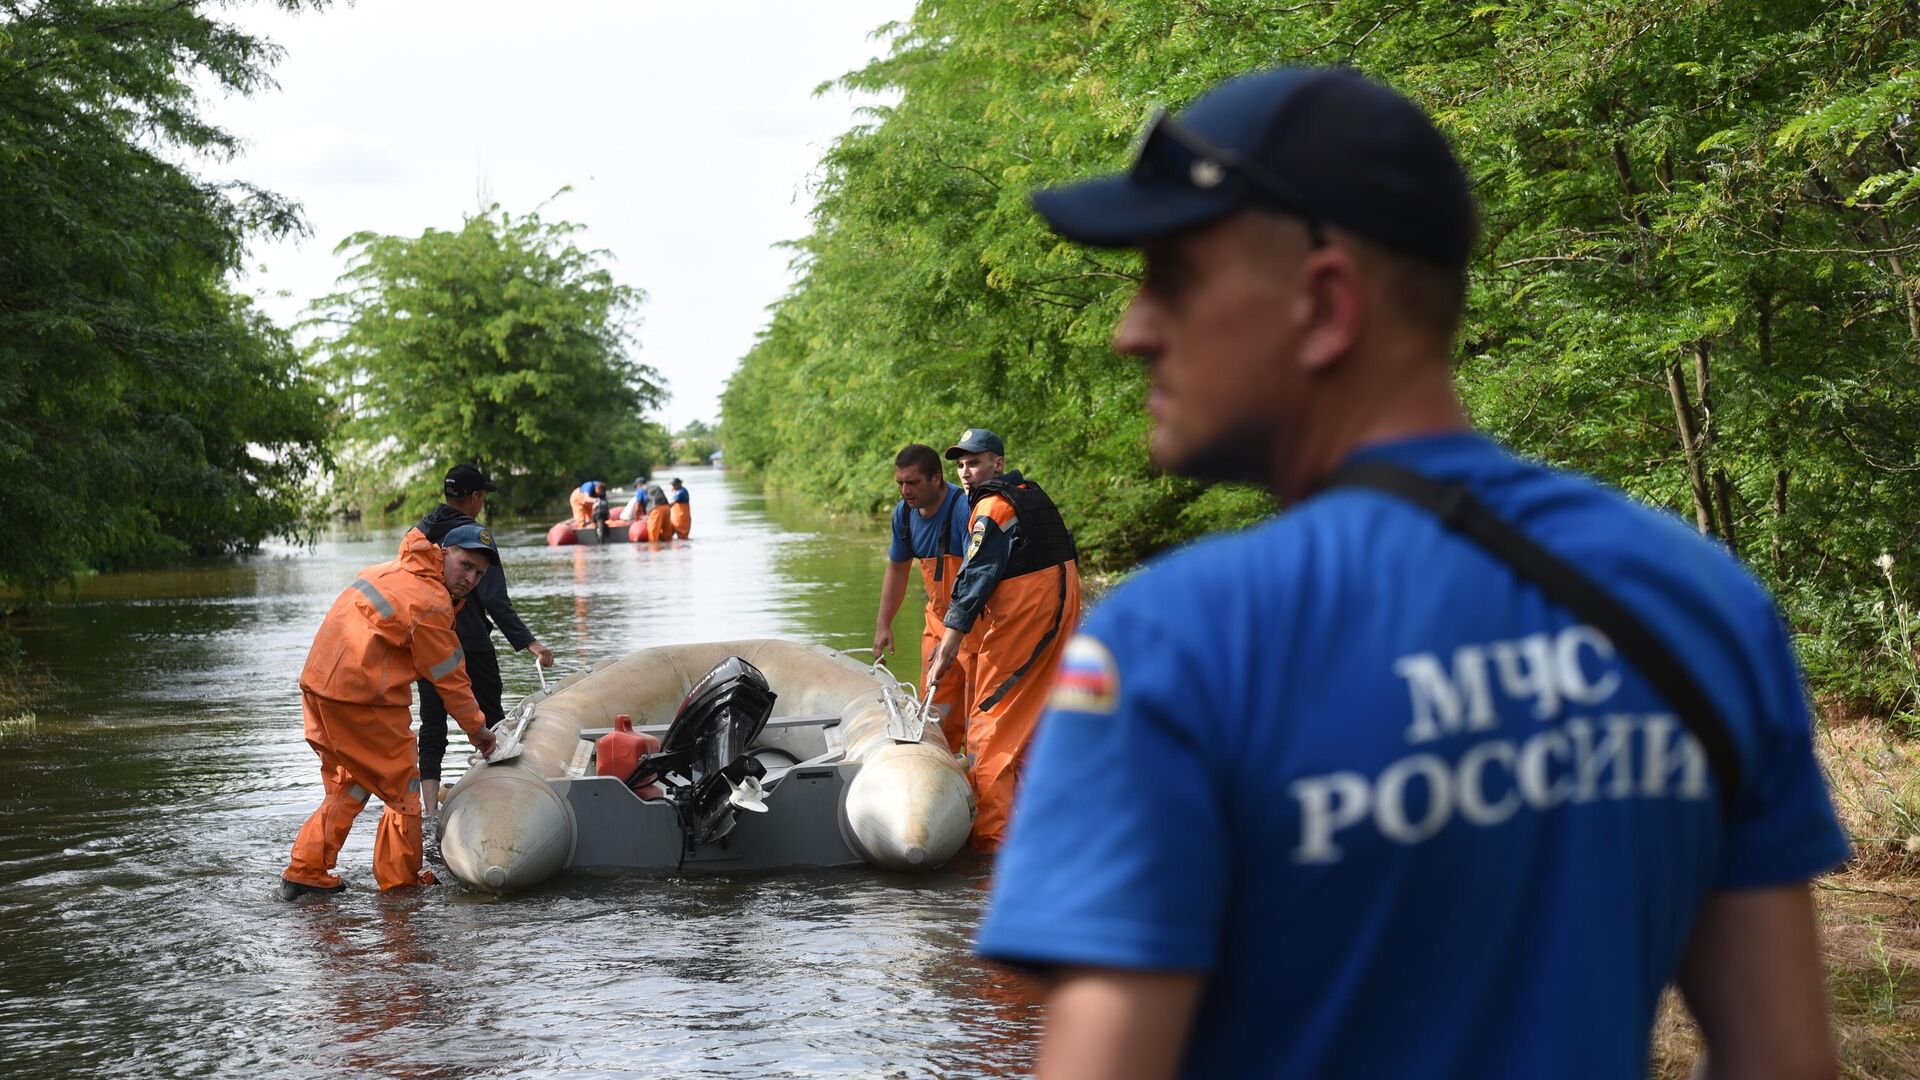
147	411
1696	278
696	443
502	344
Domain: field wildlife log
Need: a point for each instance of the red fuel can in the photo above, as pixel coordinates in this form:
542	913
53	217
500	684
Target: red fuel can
620	750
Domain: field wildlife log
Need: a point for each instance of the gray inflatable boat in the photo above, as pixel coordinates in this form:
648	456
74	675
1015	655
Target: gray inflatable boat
772	754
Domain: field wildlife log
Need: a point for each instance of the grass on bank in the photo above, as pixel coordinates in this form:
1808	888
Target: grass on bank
1869	911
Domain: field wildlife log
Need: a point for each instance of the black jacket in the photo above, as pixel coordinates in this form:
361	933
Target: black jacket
489	599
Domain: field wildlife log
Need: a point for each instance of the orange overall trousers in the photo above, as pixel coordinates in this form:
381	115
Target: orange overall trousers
1022	631
364	749
937	574
659	524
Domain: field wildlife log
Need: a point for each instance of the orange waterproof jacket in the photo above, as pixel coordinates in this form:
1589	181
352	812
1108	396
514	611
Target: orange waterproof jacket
394	625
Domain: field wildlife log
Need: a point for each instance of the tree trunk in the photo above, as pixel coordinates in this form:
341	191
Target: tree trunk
1908	292
1723	501
1779	511
1710	434
1690	444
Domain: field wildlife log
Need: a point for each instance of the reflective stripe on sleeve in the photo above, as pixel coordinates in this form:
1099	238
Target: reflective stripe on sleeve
445	667
357	793
375	597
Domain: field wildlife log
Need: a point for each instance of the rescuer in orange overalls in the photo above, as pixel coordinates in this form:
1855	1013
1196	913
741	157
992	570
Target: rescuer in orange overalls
682	510
659	517
930	525
584	499
1021	584
393	625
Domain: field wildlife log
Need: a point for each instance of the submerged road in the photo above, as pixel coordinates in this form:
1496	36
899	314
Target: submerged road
148	813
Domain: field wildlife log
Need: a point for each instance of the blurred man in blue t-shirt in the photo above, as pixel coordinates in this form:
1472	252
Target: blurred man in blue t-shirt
1342	794
929	524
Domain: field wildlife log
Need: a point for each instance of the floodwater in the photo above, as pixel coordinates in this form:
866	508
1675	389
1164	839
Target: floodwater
149	812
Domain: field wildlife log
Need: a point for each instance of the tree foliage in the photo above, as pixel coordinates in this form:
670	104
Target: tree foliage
147	411
501	344
1697	276
696	443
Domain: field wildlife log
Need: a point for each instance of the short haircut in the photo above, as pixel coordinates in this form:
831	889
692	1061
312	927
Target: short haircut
918	456
1425	295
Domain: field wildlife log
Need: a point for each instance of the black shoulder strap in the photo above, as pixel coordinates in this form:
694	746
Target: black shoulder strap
1456	507
946	537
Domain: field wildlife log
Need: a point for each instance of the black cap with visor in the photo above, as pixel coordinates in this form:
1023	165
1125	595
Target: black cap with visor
1326	145
465	480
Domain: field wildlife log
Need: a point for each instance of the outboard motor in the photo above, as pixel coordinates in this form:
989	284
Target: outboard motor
704	753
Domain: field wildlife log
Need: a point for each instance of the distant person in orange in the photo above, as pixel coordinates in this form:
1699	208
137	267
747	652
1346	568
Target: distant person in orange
682	510
393	625
585	500
659	516
1021	581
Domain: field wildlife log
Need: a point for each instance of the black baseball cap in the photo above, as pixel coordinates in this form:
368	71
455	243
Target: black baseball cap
1325	144
473	537
465	480
976	440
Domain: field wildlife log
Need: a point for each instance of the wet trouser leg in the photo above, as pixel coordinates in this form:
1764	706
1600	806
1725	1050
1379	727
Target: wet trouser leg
1028	622
483	671
659	524
682	518
363	749
433	729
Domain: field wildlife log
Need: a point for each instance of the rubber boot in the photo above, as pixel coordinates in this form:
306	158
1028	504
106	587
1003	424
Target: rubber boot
293	890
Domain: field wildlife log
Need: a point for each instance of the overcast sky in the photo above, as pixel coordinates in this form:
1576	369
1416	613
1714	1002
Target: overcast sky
689	133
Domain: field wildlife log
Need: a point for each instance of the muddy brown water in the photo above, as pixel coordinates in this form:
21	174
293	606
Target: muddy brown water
149	810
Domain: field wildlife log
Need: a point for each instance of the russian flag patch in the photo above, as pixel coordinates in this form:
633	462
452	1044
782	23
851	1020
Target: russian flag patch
1089	680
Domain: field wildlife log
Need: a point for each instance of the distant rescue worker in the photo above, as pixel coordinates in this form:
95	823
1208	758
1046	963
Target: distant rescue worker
659	515
465	490
1450	768
394	624
682	512
1021	581
587	500
929	524
636	508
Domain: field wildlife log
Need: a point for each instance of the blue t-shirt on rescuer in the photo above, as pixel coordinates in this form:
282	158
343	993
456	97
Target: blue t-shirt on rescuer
915	537
1407	816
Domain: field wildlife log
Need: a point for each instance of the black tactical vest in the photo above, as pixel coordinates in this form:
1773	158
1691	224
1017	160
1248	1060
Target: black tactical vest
1043	540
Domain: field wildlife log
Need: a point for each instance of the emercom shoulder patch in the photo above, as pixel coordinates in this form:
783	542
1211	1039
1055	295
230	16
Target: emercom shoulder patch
975	538
1089	680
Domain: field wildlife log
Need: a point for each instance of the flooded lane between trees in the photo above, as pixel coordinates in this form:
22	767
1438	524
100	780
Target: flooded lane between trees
149	812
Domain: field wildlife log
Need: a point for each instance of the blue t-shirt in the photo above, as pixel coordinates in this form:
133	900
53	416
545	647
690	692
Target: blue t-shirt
1408	817
915	537
680	496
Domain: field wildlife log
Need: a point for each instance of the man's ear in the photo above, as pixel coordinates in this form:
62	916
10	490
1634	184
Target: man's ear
1333	296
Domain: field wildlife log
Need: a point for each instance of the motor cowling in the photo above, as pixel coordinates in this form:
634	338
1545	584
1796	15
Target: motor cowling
705	747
